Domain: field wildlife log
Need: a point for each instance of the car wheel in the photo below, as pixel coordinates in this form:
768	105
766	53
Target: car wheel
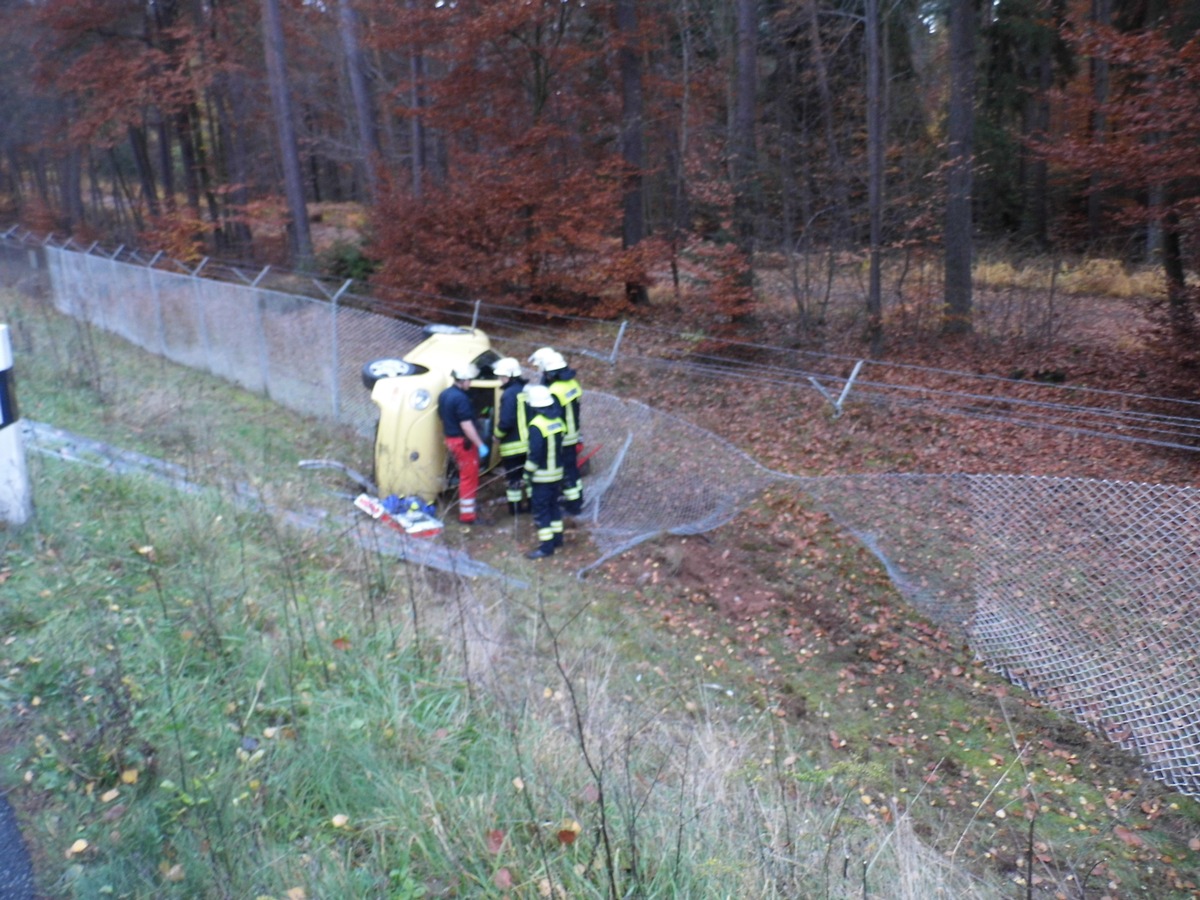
384	368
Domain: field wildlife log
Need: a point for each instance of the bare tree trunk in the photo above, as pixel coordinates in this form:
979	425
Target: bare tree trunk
1034	179
122	195
744	155
71	187
1101	15
1179	307
95	192
680	200
633	222
234	156
416	122
187	158
837	166
875	142
204	180
957	238
165	164
141	159
281	102
356	71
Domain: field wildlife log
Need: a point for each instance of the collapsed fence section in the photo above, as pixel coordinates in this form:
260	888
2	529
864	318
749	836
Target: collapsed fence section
1082	591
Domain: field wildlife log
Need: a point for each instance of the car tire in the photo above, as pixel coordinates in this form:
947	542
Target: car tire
378	369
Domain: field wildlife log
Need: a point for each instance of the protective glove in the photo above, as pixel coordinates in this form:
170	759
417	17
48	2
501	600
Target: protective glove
484	450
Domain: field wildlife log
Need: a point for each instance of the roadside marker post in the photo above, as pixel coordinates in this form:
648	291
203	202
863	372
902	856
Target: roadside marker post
16	503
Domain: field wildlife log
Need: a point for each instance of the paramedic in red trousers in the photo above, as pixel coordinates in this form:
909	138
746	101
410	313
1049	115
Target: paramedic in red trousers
566	390
462	438
512	431
543	469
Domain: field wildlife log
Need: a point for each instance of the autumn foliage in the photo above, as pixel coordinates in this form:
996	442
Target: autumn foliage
580	156
524	201
1142	154
513	227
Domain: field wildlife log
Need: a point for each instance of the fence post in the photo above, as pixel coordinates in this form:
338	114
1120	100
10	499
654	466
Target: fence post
612	357
16	504
837	404
335	377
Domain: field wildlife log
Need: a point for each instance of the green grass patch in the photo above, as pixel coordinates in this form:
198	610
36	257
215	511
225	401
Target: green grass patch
205	702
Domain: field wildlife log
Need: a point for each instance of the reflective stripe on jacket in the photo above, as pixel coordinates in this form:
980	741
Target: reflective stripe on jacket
544	462
514	417
568	393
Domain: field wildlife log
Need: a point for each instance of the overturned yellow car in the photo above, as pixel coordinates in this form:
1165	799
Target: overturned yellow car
410	451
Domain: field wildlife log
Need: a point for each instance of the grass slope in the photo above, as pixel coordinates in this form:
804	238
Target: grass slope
202	702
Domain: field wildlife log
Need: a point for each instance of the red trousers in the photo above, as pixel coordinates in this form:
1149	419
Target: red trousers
466	457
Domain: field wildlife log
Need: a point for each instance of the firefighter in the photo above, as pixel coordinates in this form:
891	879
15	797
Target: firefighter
512	431
562	382
457	413
543	469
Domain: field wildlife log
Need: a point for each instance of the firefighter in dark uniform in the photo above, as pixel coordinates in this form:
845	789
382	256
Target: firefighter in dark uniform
543	469
457	413
567	391
512	431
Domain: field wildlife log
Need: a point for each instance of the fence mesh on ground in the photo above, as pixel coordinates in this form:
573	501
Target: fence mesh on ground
1080	590
654	473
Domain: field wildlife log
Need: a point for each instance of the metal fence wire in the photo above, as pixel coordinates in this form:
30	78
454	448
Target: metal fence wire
1080	590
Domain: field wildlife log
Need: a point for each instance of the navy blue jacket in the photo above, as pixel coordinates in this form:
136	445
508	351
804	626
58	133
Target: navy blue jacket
506	425
454	408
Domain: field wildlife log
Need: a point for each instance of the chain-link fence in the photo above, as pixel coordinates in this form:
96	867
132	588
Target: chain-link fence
1080	590
304	353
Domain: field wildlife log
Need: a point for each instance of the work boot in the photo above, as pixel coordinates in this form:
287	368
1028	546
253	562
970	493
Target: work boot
512	508
541	551
558	541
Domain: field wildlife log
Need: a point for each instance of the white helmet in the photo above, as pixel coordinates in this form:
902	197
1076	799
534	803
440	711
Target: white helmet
536	356
549	360
465	372
537	395
507	368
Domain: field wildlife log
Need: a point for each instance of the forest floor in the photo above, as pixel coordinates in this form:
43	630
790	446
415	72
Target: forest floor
1097	345
829	646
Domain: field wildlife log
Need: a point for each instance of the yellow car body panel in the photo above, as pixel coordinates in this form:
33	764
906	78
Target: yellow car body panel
410	449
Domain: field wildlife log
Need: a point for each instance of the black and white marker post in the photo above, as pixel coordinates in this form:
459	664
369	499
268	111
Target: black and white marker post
16	505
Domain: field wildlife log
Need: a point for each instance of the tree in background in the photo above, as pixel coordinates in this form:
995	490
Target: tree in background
958	224
1147	161
370	151
1024	58
633	142
528	195
289	159
566	155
